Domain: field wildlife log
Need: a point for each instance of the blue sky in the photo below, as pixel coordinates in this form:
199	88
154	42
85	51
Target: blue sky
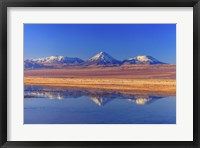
121	41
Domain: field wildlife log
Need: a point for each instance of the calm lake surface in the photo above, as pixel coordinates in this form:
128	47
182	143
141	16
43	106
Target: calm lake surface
54	105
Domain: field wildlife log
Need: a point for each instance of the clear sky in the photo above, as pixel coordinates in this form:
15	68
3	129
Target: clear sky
121	41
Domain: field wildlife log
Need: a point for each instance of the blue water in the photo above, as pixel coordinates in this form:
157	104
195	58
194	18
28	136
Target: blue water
54	105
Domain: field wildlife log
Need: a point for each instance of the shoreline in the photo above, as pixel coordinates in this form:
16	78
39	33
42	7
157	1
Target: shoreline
133	86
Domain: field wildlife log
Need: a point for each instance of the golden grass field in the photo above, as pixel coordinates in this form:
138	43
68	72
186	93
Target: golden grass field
145	79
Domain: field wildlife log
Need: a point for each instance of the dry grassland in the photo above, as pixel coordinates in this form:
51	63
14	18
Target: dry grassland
151	79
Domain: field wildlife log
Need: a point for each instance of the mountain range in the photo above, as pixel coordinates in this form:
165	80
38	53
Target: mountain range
100	59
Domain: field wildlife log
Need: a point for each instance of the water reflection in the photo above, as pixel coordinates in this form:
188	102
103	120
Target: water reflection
99	97
54	105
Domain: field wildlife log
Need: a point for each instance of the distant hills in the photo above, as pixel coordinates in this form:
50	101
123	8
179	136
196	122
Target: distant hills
100	59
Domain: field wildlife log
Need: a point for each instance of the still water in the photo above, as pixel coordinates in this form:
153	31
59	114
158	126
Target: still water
56	105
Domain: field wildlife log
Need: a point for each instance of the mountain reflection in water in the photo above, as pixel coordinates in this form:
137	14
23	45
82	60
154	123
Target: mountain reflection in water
99	97
57	105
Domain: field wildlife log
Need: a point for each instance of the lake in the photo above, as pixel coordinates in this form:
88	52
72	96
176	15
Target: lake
56	105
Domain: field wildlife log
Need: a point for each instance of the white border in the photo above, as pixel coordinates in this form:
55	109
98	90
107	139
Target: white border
182	131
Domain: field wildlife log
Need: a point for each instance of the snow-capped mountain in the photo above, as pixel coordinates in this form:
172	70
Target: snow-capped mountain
58	59
102	58
28	64
51	62
142	60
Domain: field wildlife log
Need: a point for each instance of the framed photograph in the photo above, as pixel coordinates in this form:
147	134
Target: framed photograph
100	73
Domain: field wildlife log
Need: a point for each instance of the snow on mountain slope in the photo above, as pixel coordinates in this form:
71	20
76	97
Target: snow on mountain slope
142	60
28	64
58	59
102	58
50	62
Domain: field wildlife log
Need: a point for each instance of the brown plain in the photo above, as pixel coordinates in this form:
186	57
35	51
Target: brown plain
136	79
